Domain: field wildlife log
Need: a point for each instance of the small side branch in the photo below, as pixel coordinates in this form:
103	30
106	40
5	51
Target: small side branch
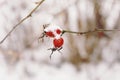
96	30
14	27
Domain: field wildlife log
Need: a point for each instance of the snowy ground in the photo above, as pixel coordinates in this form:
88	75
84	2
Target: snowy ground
25	70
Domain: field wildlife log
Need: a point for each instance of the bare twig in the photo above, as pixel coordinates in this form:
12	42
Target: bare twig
96	30
14	27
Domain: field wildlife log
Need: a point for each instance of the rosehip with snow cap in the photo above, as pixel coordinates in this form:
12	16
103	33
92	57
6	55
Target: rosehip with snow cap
52	30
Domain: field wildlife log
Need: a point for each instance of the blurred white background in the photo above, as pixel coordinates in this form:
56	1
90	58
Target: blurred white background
94	56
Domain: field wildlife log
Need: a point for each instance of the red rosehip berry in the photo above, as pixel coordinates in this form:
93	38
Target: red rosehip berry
50	34
58	42
58	31
100	34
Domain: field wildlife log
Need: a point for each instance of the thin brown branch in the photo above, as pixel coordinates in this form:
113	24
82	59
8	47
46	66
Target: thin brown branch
96	30
14	27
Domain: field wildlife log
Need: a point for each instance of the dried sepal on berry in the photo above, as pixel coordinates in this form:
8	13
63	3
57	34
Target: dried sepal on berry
55	49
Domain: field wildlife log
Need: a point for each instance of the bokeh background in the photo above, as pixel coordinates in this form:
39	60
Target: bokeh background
94	56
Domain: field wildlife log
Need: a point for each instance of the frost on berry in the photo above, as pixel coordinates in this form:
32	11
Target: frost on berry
52	30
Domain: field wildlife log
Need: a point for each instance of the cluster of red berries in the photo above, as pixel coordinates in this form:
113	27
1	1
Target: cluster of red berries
55	32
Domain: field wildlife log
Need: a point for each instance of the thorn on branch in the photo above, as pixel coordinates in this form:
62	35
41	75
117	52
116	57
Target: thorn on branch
30	15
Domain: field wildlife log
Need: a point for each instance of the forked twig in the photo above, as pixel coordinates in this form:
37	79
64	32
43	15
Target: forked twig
14	27
55	49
